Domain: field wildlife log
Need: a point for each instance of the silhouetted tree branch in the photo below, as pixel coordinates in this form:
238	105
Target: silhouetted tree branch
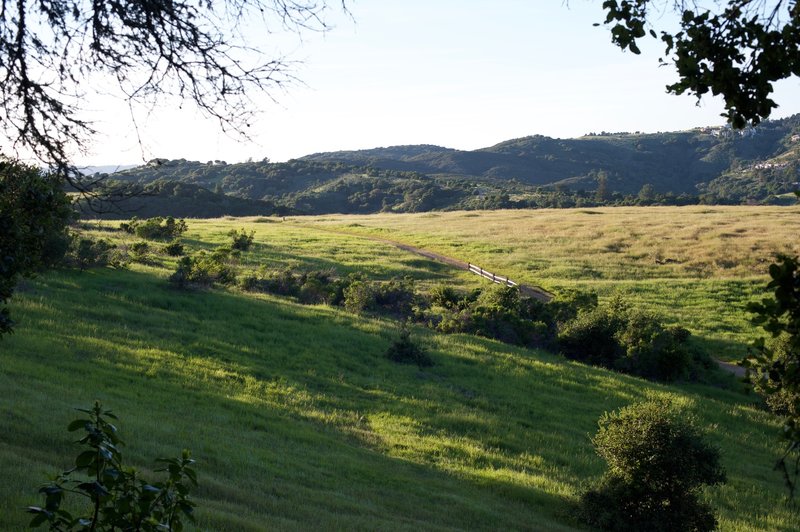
736	52
51	51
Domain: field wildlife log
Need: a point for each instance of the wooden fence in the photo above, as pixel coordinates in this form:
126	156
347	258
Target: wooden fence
499	279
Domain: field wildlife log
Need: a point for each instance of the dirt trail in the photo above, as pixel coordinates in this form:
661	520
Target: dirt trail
738	371
529	291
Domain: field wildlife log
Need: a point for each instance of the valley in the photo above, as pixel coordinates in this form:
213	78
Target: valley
298	420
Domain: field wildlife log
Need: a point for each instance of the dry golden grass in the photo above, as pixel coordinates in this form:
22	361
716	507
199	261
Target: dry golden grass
602	243
695	266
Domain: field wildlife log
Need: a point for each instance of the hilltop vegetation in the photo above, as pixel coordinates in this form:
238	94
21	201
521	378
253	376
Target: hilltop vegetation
299	420
704	165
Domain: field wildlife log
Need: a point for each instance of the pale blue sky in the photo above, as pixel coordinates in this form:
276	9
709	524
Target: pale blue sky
462	74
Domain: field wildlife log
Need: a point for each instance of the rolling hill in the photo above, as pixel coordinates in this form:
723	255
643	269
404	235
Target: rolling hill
703	165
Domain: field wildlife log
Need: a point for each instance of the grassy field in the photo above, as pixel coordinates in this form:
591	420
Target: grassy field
299	422
695	266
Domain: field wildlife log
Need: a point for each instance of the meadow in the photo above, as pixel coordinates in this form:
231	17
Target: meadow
696	266
299	422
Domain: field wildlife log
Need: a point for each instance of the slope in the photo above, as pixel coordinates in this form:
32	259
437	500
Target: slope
298	421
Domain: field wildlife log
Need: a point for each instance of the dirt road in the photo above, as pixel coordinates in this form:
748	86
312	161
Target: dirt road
526	290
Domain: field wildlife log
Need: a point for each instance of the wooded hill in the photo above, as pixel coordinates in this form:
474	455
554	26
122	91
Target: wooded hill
703	165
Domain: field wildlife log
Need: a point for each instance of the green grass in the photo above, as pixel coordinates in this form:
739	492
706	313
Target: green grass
299	422
695	266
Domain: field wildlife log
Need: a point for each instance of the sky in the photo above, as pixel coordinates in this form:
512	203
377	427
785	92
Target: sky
462	74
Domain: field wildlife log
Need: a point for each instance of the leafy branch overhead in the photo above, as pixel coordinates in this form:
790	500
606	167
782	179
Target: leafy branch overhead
737	52
54	52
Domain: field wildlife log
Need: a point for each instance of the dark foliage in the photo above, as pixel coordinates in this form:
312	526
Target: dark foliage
406	351
394	297
617	337
241	239
205	269
119	200
706	165
311	287
116	496
736	52
85	253
173	249
497	312
158	228
774	367
34	212
657	463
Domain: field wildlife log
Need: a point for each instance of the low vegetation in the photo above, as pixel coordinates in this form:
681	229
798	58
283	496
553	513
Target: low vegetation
115	496
695	267
657	464
491	436
157	228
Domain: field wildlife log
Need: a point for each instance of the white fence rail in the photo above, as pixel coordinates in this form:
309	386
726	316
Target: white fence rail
499	279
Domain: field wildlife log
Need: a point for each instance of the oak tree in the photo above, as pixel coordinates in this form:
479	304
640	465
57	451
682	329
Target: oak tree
736	49
52	52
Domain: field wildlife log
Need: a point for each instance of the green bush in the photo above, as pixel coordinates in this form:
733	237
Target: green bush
242	240
116	496
443	296
657	463
617	337
34	213
139	248
394	297
205	269
173	249
359	296
500	313
157	228
405	351
85	253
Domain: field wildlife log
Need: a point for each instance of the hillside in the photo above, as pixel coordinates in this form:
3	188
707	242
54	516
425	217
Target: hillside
176	198
674	162
705	165
297	419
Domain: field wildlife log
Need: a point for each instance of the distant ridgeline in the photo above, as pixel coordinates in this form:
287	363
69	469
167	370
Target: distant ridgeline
703	165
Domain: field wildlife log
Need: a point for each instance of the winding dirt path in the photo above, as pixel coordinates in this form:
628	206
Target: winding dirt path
738	371
526	290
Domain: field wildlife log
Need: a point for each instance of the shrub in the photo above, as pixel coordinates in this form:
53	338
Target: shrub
314	287
180	278
313	291
242	240
173	249
657	463
774	366
157	228
394	297
405	351
500	313
87	253
358	296
118	497
139	248
443	296
631	341
568	303
204	269
34	213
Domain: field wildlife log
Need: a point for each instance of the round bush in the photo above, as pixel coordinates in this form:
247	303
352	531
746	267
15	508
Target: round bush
657	464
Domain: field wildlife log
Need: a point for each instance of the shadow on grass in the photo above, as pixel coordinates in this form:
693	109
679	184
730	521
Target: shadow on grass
297	417
292	411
